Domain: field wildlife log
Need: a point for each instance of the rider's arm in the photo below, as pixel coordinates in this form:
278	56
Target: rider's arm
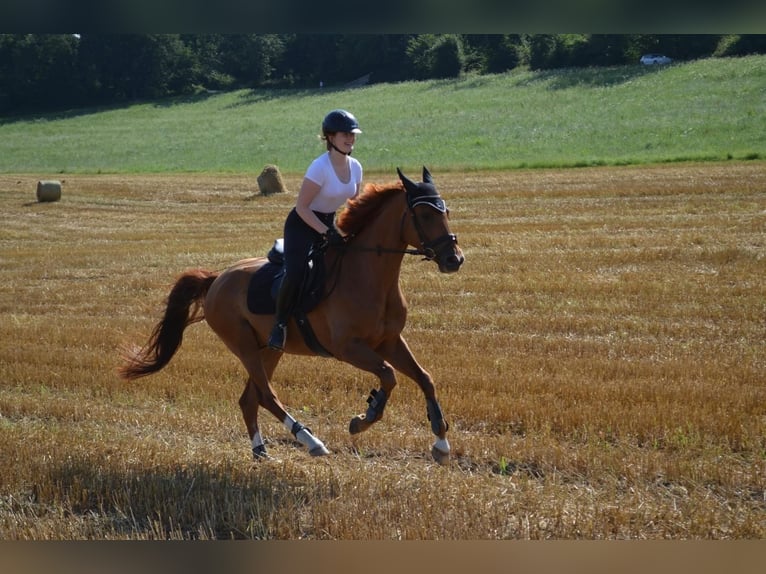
309	190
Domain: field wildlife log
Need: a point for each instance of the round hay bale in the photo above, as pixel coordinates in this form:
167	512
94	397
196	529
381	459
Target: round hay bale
48	190
270	181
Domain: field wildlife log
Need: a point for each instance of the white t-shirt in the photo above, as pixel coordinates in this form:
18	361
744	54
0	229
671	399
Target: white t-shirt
333	192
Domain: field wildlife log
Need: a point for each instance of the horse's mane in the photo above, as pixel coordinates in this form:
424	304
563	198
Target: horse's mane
360	210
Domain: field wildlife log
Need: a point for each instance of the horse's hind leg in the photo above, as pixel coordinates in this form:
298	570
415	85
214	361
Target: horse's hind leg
249	402
240	338
226	317
259	392
302	434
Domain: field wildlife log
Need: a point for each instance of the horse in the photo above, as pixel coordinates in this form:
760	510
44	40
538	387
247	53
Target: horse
359	317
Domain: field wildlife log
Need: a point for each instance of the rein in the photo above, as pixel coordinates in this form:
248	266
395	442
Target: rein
380	250
337	265
427	251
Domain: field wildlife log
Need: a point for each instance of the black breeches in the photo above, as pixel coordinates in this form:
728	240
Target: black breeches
299	238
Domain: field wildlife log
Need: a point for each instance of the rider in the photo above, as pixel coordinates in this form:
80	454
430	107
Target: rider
330	180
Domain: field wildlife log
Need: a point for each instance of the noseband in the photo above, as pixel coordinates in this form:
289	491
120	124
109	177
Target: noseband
429	249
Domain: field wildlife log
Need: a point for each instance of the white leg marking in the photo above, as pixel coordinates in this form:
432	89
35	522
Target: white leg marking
289	422
316	447
442	444
312	443
257	439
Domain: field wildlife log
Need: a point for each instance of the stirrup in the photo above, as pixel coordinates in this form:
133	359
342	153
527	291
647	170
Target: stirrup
277	337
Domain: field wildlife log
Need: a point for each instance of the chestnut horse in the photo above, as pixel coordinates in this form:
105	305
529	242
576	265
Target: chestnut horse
359	320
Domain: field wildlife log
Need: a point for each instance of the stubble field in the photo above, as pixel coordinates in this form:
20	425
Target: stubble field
600	359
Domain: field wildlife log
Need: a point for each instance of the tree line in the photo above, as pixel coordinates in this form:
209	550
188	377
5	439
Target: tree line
50	72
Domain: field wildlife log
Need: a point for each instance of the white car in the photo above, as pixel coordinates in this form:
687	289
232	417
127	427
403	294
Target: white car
651	59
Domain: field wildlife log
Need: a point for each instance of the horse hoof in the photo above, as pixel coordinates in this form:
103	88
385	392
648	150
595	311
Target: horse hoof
259	453
320	450
358	424
440	456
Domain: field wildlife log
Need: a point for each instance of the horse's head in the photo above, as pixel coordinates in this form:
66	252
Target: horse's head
430	219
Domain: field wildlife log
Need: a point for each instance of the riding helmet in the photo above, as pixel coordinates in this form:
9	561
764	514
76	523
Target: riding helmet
340	121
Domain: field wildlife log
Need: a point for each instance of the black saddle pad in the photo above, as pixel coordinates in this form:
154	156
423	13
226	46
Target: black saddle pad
260	299
264	284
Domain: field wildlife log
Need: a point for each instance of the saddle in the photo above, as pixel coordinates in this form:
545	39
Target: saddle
264	287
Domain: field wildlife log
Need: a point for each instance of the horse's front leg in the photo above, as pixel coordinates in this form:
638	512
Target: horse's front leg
359	355
401	358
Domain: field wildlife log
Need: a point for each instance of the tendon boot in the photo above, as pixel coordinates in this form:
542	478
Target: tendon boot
288	293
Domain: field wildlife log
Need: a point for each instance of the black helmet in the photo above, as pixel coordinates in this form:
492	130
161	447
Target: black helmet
340	121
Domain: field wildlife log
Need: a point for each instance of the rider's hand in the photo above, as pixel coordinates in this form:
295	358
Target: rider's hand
333	237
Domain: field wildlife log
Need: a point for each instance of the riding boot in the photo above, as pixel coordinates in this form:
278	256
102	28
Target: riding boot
288	293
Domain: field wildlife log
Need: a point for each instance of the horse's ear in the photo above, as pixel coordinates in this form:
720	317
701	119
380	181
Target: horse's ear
427	175
408	183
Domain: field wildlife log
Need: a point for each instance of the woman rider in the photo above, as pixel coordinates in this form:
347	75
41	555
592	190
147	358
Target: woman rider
330	180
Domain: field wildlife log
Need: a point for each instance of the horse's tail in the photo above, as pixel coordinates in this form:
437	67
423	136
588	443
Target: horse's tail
184	307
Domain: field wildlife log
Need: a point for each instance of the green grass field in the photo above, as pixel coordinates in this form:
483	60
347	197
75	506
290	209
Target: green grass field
710	109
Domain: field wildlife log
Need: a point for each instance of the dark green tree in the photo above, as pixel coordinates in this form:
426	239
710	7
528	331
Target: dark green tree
600	50
250	58
435	56
309	59
543	51
382	56
120	67
448	58
741	45
38	72
504	54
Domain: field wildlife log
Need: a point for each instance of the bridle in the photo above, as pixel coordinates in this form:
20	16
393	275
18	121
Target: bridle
416	194
428	249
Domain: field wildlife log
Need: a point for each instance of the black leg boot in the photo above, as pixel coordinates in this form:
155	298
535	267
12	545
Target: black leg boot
288	293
